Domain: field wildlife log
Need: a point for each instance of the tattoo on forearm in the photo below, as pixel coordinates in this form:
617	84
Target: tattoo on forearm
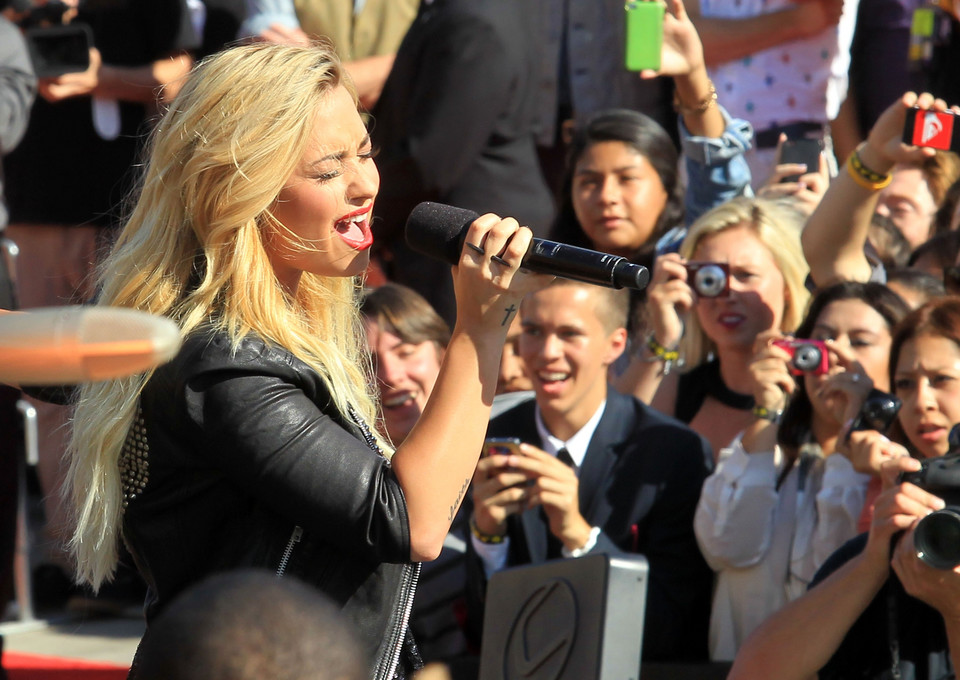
509	312
456	503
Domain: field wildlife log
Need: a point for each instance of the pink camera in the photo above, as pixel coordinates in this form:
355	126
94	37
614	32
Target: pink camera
806	356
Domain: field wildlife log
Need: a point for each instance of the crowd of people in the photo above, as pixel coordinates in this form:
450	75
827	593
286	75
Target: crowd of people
246	169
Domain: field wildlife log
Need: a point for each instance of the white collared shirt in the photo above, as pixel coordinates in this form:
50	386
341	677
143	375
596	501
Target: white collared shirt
494	555
577	445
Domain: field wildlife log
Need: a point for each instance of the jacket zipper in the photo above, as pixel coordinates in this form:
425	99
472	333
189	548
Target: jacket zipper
409	588
285	559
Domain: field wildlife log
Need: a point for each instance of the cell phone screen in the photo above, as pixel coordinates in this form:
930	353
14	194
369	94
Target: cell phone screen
806	151
56	50
934	129
501	446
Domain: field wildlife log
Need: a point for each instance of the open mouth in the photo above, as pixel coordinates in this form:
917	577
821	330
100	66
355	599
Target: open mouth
730	320
930	431
398	400
552	381
355	230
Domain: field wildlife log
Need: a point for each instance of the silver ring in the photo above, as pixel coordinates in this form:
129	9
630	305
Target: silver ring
855	377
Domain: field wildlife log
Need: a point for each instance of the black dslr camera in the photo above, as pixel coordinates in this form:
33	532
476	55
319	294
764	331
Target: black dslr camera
937	536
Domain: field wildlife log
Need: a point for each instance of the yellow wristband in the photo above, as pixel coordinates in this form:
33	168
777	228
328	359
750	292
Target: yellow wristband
764	413
482	537
864	176
660	351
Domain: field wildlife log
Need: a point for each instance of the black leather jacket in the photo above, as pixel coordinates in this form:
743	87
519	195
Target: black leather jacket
240	459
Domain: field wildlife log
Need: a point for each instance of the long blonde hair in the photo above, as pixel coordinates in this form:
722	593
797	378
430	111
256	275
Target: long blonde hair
778	227
192	250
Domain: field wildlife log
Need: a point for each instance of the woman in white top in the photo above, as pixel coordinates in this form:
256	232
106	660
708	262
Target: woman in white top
778	503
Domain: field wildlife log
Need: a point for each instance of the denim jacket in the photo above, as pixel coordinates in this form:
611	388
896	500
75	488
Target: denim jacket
716	172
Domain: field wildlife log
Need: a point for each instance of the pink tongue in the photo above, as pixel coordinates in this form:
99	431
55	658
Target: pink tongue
350	231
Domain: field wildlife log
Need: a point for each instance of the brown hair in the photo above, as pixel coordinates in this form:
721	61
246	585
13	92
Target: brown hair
405	313
940	172
938	318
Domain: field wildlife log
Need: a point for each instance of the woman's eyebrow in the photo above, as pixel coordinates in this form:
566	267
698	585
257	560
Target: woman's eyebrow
338	155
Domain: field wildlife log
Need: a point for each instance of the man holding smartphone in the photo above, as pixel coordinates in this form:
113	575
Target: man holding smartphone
596	471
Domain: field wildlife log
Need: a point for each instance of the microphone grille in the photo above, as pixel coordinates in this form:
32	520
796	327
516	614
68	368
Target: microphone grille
437	230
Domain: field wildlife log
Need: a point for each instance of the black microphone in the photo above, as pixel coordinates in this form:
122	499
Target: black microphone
438	231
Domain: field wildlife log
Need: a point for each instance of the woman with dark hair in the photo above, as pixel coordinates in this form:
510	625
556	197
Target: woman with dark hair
621	190
627	133
779	502
860	619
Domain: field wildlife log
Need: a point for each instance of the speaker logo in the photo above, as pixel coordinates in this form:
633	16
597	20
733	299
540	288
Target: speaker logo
542	634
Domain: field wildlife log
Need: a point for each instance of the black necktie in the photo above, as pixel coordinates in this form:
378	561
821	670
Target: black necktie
564	457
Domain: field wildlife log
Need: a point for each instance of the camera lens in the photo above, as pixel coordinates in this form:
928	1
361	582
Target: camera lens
807	357
709	281
937	538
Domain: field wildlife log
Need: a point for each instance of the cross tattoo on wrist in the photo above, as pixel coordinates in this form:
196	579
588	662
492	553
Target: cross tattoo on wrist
509	312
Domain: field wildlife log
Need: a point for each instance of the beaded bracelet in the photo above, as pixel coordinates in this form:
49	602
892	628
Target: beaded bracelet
482	537
669	357
864	176
702	105
764	413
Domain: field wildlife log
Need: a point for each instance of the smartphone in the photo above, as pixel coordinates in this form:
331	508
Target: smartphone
801	151
644	34
501	446
55	50
934	129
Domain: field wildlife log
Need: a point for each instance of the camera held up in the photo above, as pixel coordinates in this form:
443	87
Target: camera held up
709	279
806	356
937	536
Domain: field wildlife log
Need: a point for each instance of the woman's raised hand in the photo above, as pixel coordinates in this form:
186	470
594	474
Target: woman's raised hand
769	368
867	450
897	507
669	298
851	385
488	280
884	147
682	50
806	191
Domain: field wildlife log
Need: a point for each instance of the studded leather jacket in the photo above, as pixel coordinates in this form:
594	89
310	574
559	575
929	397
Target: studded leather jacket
240	459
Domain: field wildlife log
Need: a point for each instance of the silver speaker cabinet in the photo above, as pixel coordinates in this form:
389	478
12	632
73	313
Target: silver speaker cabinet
576	619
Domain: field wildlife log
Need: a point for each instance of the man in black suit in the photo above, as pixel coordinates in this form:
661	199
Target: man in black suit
598	471
454	124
